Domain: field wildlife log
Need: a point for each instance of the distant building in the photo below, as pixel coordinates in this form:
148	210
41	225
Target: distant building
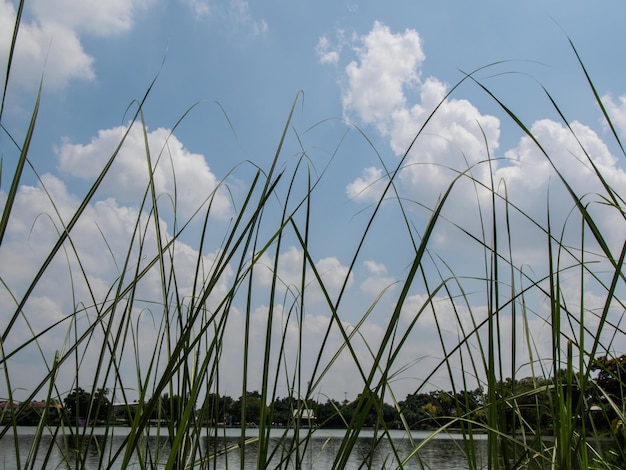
42	405
30	413
306	417
6	407
125	412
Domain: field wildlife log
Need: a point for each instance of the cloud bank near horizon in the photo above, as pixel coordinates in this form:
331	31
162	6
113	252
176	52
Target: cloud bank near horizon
382	86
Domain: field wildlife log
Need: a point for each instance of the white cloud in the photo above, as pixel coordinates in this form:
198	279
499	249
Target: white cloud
378	280
377	89
89	16
530	176
326	53
384	88
564	150
369	187
43	48
31	232
333	274
456	137
375	268
100	242
84	273
178	172
304	341
388	64
459	136
330	269
50	43
616	109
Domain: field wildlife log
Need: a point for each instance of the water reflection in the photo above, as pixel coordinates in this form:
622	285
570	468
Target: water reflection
226	448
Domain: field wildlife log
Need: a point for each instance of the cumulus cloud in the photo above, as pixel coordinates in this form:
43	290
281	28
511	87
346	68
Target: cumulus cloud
50	43
377	279
384	87
379	88
616	109
387	64
304	339
83	276
101	241
332	272
81	279
368	187
531	169
43	47
101	238
89	16
177	172
375	268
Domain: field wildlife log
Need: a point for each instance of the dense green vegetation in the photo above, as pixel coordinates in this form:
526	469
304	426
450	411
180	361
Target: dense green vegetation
526	404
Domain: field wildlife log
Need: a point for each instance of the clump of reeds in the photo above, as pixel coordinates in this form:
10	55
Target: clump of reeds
189	327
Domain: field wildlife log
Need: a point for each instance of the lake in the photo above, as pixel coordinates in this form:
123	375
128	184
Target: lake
442	452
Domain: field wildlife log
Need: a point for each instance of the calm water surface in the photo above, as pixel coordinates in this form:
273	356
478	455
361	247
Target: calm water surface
443	452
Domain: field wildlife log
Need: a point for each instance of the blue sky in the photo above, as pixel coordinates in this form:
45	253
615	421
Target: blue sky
383	66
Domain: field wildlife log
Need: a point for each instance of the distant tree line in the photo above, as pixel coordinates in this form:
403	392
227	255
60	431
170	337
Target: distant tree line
527	402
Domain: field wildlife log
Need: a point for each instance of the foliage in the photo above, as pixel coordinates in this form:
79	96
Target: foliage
83	406
611	378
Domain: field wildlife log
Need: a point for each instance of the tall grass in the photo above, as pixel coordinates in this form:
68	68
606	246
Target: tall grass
188	326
